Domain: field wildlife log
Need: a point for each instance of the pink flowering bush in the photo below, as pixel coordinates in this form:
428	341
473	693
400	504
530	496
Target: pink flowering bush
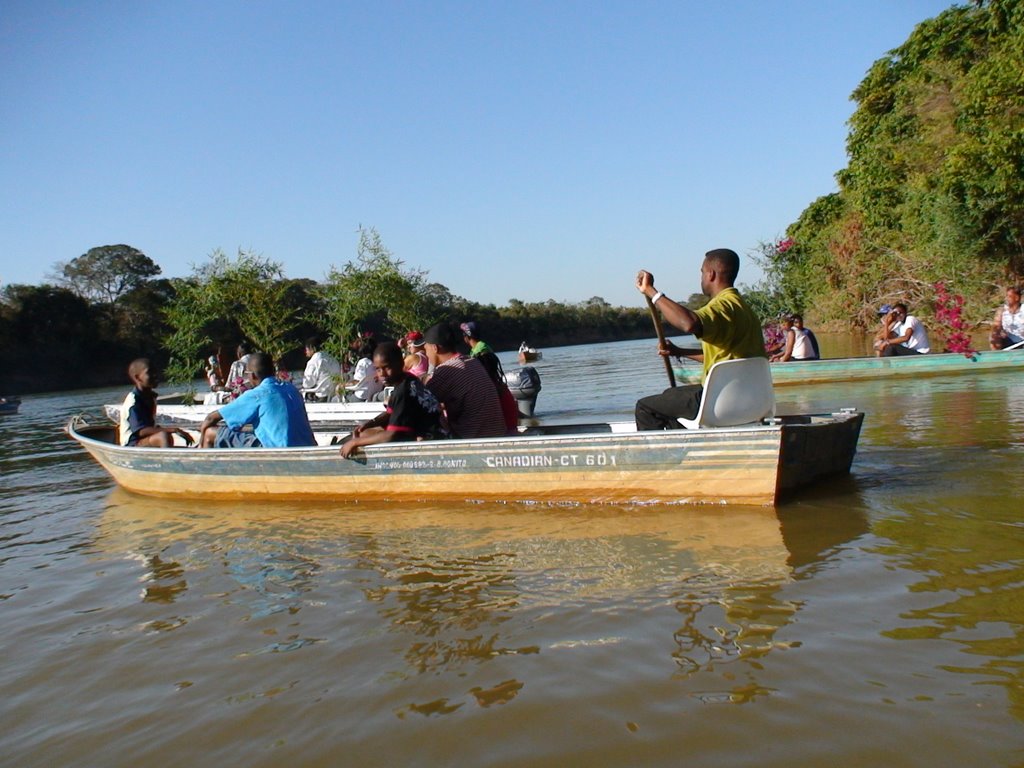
949	313
774	336
237	386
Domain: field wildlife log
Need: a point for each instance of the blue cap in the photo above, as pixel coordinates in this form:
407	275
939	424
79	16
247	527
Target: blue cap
885	309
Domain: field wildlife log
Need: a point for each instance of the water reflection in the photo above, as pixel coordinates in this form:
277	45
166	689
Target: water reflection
455	585
966	556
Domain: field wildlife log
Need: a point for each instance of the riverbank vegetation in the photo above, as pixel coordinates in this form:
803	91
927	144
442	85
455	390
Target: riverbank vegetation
66	335
933	192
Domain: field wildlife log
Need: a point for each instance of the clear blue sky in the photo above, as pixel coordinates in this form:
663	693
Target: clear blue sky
527	150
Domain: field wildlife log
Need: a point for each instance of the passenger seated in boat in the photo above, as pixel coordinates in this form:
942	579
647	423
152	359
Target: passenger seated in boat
727	328
471	335
884	332
812	340
415	358
461	384
1008	325
238	382
908	335
273	408
321	374
213	374
364	386
509	406
800	343
412	412
138	411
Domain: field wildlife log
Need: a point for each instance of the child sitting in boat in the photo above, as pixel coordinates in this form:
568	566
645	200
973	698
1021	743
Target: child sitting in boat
412	411
138	412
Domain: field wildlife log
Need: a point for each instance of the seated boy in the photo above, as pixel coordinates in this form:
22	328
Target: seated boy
412	411
138	411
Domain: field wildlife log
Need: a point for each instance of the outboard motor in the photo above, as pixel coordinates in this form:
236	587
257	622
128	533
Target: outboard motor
524	384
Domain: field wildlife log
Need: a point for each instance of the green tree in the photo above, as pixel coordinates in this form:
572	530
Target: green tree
249	291
106	273
934	186
375	292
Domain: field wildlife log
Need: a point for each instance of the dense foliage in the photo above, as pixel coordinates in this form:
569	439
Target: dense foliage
934	189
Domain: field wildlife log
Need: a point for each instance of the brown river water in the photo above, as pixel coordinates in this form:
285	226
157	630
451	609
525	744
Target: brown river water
872	620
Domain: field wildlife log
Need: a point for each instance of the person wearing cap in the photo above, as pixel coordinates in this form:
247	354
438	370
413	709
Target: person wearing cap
470	334
412	412
909	336
321	374
463	387
415	358
727	327
885	320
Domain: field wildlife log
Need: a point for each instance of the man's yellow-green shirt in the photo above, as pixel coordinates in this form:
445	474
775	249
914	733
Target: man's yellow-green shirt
730	330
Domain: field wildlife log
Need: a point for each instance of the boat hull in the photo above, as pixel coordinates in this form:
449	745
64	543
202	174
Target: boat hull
796	372
606	464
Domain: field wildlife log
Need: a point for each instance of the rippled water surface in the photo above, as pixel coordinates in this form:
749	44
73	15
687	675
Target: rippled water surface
876	619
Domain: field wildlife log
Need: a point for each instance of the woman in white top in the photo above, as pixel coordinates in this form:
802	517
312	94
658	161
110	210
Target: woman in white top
798	345
1008	325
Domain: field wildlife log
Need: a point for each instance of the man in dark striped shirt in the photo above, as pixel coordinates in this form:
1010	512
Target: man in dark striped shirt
463	386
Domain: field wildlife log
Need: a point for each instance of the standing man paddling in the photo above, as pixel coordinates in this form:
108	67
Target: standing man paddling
727	328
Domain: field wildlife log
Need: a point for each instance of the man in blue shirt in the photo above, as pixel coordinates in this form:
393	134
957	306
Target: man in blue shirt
274	409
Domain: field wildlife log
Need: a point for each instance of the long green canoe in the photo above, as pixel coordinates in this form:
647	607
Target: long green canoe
863	368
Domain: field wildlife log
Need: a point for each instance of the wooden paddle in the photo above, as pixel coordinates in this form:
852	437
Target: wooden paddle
656	317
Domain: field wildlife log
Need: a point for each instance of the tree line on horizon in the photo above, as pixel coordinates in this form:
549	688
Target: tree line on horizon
110	305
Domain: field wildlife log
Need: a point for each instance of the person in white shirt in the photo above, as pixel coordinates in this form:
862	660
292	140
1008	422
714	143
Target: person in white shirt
321	374
365	386
1008	325
909	336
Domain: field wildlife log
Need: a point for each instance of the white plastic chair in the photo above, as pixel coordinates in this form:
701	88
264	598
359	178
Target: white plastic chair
735	392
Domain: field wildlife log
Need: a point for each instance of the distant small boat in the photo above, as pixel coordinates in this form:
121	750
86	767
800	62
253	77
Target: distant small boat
9	405
528	354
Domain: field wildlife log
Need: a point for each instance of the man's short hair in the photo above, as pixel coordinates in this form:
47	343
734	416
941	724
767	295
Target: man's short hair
262	365
390	353
137	365
313	342
726	261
